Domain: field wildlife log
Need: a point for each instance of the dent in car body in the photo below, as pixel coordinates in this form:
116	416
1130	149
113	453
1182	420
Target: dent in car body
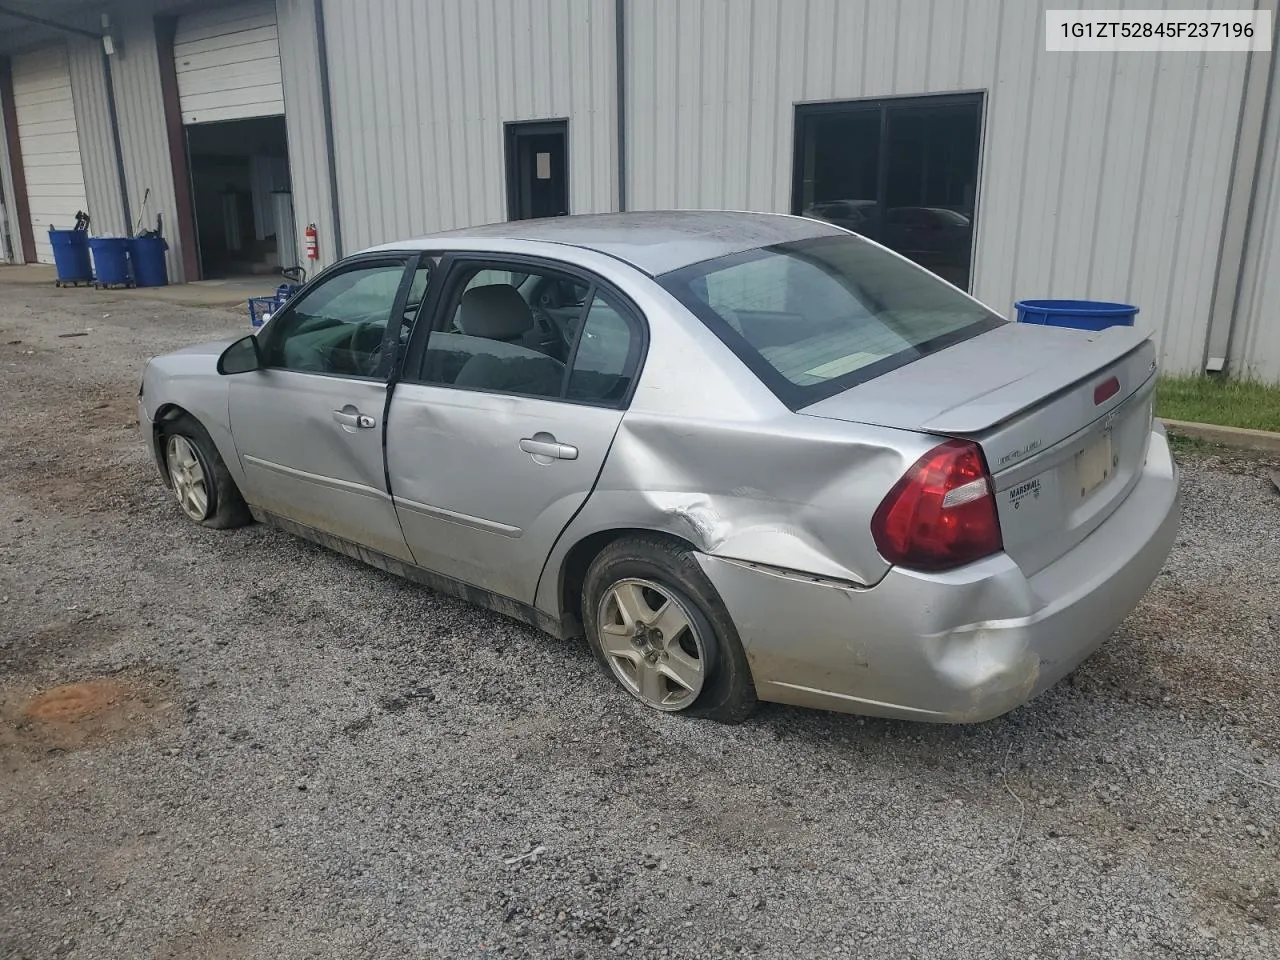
685	477
958	646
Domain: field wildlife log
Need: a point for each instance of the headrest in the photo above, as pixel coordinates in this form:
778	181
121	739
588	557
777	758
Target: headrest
496	311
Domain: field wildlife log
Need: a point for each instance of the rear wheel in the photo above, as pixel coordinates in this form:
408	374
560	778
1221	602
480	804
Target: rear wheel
198	477
655	623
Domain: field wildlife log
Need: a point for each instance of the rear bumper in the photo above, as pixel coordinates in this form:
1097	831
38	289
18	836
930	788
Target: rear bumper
956	647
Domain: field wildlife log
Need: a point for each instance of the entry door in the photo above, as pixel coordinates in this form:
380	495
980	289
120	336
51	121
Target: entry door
537	169
308	427
492	444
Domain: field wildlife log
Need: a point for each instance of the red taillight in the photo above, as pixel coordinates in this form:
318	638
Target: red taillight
942	513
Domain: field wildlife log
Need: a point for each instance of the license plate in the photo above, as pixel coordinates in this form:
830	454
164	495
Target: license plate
1094	465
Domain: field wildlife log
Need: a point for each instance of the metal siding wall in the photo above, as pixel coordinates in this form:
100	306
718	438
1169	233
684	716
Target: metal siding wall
97	152
1255	341
1103	175
135	74
304	125
421	93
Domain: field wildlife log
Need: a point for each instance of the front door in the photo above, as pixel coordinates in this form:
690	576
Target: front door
493	440
537	169
308	426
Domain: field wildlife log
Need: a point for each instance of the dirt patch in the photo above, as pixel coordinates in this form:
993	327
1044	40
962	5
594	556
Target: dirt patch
73	702
79	715
78	485
1214	680
109	411
54	643
1257	902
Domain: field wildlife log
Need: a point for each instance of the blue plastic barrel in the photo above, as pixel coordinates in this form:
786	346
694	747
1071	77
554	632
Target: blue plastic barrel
71	255
149	267
1079	314
110	261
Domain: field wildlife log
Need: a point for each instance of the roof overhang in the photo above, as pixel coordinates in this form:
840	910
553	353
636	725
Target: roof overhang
31	24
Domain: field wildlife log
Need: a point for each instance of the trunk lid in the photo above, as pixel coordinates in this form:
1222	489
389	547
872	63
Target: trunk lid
1064	442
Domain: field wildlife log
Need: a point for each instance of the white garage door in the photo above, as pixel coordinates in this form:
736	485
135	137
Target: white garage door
48	142
228	63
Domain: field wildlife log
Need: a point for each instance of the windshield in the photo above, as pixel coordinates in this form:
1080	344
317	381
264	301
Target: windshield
815	317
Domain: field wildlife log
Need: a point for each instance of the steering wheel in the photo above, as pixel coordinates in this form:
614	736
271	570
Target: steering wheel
549	337
363	357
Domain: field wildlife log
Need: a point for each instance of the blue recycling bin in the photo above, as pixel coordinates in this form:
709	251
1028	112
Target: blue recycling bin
1078	314
149	267
110	261
71	256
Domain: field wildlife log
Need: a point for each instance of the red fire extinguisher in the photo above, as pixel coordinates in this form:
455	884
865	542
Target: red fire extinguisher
313	246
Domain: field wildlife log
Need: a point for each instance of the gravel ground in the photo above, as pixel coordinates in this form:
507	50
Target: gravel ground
224	745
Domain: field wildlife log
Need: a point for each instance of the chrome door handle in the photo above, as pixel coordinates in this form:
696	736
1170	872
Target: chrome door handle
549	448
360	420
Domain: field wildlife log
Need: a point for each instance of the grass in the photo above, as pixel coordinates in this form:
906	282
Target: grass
1219	400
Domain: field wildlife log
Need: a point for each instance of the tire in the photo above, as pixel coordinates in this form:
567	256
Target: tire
660	578
189	455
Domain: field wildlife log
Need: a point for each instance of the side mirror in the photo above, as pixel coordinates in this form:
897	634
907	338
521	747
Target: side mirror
243	356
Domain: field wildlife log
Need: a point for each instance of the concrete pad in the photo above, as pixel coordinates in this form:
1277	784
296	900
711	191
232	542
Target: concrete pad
37	274
231	292
212	293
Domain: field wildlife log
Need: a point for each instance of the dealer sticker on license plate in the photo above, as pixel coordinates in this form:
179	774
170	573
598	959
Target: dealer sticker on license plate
1094	465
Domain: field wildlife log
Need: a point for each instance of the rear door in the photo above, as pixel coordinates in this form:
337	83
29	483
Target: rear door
493	441
308	426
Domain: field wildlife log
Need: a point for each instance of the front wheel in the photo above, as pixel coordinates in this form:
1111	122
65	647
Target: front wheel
656	624
198	477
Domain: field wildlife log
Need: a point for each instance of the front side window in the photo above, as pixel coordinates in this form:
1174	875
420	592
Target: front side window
815	317
339	326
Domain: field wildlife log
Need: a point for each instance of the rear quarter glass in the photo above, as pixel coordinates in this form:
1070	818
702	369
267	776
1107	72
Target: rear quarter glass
814	317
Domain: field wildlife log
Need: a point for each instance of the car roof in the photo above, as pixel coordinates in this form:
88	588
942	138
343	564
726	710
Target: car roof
653	241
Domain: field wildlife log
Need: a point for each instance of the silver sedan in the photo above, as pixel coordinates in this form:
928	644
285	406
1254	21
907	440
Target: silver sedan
746	456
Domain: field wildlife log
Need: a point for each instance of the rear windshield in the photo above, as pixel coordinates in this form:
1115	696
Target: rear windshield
815	317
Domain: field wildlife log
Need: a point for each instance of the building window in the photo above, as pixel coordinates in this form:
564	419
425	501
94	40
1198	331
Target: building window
903	172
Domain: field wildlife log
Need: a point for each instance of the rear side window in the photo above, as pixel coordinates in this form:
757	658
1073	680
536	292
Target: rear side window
815	317
538	333
606	356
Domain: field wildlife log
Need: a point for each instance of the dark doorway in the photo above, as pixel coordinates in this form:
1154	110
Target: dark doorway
537	169
241	197
901	172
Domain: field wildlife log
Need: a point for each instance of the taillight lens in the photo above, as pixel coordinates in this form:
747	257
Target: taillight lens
942	513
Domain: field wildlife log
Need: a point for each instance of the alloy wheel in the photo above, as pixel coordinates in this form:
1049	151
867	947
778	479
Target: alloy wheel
651	644
188	477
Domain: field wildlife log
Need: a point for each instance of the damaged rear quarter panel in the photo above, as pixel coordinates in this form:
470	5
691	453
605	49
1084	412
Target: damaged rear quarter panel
707	454
788	491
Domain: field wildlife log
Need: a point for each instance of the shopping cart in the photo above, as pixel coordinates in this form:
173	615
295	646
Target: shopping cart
261	308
